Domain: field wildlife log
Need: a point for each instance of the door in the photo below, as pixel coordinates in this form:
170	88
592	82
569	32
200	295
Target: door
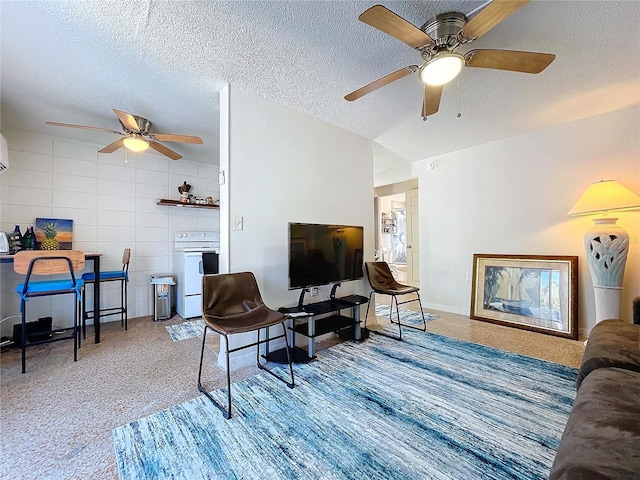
413	243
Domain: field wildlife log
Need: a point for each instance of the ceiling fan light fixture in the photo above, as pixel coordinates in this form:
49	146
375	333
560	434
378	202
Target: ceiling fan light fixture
441	69
135	144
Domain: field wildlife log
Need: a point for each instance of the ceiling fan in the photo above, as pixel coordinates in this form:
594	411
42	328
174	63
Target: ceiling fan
438	40
136	136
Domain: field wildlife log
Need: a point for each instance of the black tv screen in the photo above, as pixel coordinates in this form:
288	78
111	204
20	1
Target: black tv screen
324	254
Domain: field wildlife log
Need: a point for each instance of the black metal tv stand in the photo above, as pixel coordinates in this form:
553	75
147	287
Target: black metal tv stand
305	321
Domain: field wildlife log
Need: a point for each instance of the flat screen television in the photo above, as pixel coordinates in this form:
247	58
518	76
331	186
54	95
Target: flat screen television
324	254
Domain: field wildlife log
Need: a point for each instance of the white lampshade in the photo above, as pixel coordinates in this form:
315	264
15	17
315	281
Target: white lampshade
135	144
605	196
441	69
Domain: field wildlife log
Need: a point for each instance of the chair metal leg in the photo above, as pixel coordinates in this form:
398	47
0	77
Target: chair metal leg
24	336
226	412
287	349
393	297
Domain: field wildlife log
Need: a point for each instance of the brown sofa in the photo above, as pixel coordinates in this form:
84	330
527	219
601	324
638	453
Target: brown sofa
602	437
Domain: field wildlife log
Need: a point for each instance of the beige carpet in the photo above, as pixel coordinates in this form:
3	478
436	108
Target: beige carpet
56	420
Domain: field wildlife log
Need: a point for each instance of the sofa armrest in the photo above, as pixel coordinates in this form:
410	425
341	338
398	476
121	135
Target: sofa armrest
612	343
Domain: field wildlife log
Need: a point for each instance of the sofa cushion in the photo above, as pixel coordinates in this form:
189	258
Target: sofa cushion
602	437
612	343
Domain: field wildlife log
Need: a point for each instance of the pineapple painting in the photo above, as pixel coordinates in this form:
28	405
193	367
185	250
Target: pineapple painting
50	242
54	234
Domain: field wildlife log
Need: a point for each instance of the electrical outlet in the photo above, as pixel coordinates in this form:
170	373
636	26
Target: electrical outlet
314	291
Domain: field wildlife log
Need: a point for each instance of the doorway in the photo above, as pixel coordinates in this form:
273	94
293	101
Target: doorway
397	242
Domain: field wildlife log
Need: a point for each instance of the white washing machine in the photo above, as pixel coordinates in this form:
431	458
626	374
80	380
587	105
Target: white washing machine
196	253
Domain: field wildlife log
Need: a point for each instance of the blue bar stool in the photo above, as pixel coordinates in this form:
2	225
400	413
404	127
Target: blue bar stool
63	264
121	276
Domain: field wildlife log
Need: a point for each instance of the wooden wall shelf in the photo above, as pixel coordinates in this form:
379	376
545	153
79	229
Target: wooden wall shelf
176	203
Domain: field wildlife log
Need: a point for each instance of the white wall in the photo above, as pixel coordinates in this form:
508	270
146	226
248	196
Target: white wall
285	166
512	196
112	205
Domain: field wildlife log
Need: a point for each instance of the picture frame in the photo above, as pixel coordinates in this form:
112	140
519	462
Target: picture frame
54	234
531	292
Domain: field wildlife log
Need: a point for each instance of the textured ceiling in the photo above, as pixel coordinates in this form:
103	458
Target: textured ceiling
74	62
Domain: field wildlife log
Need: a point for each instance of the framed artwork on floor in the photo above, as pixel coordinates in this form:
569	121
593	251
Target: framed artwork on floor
532	292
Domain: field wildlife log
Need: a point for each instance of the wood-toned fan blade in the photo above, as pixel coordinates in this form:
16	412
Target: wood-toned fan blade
112	147
431	103
491	15
127	120
108	130
381	82
525	62
169	137
164	150
391	23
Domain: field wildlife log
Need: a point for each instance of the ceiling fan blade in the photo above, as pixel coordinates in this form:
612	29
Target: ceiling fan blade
515	61
491	15
381	82
169	137
431	103
392	24
99	129
164	150
127	120
112	147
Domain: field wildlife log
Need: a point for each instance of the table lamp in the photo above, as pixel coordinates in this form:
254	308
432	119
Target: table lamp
606	244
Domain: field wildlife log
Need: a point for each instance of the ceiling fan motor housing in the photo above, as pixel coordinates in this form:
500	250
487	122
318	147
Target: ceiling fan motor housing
144	125
446	31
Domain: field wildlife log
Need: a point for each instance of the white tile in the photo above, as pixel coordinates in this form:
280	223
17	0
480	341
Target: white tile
153	264
115	218
84	246
30	161
115	202
206	172
75	199
179	223
25	196
27	178
115	187
84	233
149	177
28	142
23	214
153	163
151	220
152	234
153	249
80	216
122	173
184	168
81	151
74	166
116	234
147	191
74	183
119	157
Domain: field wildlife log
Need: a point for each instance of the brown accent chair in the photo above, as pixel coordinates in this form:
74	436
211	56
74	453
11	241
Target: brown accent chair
231	303
62	264
382	281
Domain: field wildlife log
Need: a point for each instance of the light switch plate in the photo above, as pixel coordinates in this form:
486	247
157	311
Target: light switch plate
238	223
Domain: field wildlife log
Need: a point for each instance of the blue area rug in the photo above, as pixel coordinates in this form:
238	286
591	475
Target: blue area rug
184	330
429	407
406	316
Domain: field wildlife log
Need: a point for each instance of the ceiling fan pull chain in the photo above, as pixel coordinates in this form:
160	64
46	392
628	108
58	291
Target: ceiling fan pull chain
458	82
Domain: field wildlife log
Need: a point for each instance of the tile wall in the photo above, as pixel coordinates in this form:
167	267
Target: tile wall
111	199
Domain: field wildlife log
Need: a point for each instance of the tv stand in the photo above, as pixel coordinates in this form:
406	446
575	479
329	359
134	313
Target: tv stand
333	291
305	322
